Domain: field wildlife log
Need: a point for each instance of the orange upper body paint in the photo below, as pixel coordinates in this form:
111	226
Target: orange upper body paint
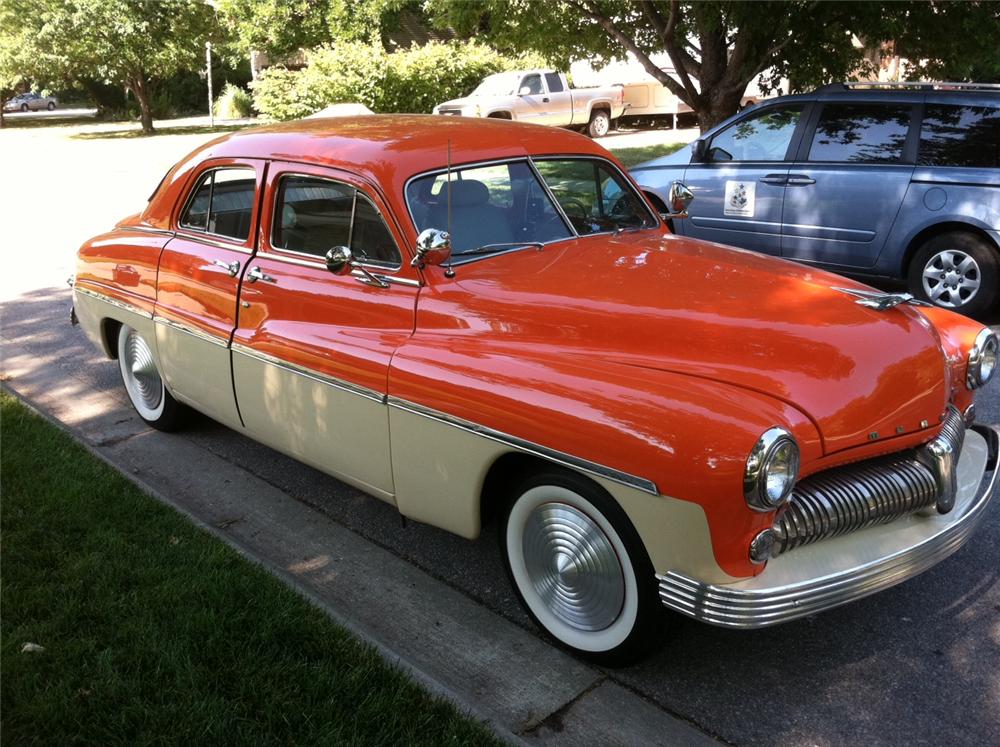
657	355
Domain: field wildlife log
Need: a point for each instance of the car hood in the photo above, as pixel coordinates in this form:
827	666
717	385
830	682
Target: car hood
457	103
666	303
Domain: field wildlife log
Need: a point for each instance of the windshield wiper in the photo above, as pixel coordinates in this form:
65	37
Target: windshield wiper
492	248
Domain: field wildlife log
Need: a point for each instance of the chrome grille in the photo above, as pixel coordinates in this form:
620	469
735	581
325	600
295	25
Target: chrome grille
877	491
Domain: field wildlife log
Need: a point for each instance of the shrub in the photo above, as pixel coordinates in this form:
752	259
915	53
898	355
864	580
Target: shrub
410	80
233	103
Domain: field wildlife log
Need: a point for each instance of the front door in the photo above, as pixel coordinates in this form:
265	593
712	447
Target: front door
531	103
740	184
312	349
848	182
198	283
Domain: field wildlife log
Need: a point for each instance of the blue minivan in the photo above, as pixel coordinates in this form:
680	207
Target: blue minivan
896	180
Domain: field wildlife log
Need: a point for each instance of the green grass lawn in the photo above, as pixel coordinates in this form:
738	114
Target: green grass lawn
631	156
155	631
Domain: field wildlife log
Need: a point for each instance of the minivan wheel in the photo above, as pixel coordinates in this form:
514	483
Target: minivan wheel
958	271
580	569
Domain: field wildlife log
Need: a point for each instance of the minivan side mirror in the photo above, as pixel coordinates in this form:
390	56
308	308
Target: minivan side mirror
524	91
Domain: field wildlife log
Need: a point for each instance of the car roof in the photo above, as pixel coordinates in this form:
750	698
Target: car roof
393	147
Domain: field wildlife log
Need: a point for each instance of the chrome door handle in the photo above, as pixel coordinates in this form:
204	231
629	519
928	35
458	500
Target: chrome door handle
231	267
800	179
256	274
775	179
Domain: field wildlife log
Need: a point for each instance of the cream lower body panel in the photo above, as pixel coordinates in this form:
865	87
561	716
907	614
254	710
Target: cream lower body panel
92	310
439	471
197	371
337	431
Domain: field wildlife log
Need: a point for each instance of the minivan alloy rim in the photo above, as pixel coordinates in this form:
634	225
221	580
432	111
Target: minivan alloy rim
951	278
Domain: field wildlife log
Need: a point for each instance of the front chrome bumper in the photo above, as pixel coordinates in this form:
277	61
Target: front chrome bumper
842	569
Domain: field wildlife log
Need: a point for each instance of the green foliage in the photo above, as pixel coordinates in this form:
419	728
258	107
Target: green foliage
234	103
411	80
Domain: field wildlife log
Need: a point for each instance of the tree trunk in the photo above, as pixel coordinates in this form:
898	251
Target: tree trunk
140	87
3	103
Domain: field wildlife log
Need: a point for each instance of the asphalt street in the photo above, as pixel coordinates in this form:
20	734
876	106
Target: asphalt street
918	664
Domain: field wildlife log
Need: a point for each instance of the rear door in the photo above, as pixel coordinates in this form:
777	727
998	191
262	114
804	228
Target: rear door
560	101
312	349
198	282
846	186
740	185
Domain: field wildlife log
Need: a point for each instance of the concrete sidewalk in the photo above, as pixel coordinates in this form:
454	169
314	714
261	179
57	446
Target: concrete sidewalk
524	688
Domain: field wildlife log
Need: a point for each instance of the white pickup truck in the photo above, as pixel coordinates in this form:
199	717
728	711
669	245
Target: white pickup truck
542	97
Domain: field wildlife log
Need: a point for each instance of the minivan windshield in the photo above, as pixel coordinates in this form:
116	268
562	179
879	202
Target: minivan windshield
508	205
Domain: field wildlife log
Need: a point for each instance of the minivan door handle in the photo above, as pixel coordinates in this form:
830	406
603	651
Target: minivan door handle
775	179
800	179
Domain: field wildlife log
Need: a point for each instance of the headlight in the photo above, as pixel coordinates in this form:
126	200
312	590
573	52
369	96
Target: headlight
982	359
772	468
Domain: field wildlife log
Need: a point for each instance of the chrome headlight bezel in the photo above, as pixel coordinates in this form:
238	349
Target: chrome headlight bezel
775	443
984	351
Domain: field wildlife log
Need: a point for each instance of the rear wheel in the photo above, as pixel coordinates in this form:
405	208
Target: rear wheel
580	569
24	107
600	123
958	271
145	387
51	106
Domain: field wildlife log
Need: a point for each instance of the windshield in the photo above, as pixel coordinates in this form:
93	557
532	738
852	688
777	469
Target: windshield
505	205
500	84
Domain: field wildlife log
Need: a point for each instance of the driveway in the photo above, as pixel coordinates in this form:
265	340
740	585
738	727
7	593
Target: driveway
917	664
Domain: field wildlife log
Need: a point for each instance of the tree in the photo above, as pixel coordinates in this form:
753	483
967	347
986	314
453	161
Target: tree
717	47
127	42
19	59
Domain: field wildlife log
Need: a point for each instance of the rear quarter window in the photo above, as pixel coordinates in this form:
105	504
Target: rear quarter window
967	136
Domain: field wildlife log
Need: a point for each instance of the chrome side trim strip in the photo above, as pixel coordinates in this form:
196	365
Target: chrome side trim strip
191	331
729	606
112	301
308	373
319	265
559	457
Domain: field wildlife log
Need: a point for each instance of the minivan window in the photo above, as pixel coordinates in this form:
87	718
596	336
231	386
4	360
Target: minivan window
554	82
960	136
222	203
763	136
863	133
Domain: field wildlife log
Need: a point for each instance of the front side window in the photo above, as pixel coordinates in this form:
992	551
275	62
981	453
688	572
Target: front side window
533	84
593	197
861	133
763	136
313	215
222	203
501	206
966	136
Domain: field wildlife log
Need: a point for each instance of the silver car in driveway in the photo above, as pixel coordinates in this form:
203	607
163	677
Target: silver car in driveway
30	102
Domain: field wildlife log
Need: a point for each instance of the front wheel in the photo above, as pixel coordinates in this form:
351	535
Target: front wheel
51	105
580	569
600	124
24	107
958	271
145	387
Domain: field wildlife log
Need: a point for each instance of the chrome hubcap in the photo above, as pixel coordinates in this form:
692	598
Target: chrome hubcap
143	379
601	126
951	278
573	567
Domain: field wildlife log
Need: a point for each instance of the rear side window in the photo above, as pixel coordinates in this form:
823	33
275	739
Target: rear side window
960	136
313	215
554	81
222	203
862	133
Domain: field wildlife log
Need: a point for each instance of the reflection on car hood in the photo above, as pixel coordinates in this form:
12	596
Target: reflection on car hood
673	304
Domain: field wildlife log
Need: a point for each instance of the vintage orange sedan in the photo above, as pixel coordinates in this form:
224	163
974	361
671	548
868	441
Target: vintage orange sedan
474	319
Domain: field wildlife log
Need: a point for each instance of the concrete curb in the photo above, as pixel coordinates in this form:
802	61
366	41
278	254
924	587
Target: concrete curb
526	690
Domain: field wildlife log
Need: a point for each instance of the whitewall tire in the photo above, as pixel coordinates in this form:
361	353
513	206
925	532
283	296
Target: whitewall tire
580	569
143	383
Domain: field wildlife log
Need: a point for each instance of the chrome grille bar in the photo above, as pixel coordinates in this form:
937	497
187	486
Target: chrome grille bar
877	491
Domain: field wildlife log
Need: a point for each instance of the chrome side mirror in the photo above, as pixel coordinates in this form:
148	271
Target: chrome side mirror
433	248
339	260
678	198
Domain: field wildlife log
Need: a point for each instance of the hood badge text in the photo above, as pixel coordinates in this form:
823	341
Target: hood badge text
881	301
